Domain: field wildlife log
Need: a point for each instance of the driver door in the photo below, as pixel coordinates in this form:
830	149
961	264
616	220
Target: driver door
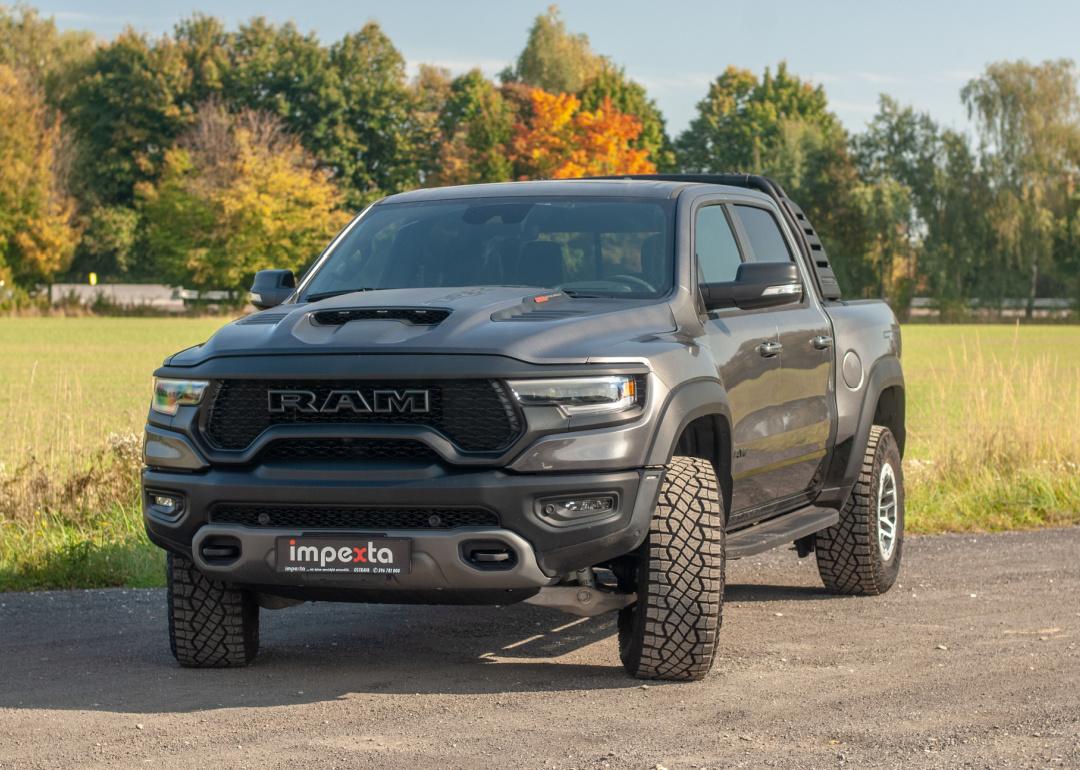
743	345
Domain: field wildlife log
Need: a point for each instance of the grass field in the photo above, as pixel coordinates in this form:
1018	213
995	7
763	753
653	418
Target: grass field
993	425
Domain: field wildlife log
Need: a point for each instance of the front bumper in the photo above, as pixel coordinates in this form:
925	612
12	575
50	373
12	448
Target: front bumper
544	552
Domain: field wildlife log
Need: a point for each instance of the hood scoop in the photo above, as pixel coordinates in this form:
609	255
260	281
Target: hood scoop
415	316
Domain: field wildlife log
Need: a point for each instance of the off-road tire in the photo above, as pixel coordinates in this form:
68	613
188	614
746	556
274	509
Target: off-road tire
849	558
672	630
210	624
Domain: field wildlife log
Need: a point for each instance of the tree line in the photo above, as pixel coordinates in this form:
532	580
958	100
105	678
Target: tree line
204	155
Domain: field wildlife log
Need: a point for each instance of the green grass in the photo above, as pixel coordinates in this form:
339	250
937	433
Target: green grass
993	414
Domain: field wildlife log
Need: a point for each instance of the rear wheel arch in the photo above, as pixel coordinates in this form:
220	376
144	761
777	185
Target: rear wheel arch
889	412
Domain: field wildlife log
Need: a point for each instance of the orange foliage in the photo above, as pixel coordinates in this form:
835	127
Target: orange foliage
562	141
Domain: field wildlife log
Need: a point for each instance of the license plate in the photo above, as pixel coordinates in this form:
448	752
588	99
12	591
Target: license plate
356	555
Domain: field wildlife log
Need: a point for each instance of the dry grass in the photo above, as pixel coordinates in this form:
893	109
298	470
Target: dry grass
995	431
993	422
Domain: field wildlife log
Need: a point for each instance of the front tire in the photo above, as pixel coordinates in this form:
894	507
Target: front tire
861	554
672	630
210	624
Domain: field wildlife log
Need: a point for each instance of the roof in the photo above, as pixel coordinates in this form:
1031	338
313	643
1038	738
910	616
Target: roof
621	188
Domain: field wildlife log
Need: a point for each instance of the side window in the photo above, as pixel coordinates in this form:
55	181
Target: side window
766	240
717	252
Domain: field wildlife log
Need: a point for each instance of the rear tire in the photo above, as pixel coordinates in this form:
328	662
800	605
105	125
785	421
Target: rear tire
861	554
672	630
210	624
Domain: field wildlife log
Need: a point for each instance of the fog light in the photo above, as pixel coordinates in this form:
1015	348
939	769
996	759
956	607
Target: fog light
568	510
164	505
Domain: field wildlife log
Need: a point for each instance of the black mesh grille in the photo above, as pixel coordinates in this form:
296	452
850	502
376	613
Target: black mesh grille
339	517
293	450
476	415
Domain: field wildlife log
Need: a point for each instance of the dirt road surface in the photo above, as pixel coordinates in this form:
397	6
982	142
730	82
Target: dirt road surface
972	661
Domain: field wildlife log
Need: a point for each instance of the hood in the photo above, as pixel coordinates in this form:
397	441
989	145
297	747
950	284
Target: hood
534	327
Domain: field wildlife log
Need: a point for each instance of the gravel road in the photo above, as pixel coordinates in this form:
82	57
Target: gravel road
972	661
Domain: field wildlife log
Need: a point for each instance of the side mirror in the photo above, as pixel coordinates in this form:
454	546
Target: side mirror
271	288
756	285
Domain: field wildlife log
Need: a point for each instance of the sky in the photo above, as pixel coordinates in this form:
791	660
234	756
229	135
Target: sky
919	52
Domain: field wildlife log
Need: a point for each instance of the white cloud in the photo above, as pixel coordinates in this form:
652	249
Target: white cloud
879	78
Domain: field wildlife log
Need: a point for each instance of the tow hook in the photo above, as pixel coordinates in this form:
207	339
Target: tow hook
584	601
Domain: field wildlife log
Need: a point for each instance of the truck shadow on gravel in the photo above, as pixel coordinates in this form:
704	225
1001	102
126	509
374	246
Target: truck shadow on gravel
108	651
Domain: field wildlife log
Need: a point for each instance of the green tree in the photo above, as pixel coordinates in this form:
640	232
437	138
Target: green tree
238	194
554	59
206	48
1028	117
125	112
813	164
477	124
37	237
738	123
372	143
280	71
959	257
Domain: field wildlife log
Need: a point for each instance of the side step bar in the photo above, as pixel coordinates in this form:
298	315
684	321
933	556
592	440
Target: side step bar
775	532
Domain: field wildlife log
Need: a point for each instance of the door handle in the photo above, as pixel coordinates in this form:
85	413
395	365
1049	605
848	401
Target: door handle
821	343
769	349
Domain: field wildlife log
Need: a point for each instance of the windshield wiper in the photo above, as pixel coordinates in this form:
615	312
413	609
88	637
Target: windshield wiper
585	295
336	293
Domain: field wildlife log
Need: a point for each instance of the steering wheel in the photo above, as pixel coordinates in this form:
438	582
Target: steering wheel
633	280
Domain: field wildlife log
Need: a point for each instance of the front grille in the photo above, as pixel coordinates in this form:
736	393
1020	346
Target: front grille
294	450
341	517
476	415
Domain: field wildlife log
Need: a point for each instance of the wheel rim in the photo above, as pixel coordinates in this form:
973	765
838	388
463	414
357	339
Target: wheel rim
887	512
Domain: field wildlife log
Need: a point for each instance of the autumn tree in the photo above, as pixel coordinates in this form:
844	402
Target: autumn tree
37	237
629	97
238	194
559	140
46	57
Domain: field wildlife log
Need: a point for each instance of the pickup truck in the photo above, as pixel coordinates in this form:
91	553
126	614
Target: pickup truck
583	394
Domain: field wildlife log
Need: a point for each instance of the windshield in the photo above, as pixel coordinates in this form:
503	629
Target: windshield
584	246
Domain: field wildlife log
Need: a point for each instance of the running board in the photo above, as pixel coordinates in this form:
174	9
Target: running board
776	532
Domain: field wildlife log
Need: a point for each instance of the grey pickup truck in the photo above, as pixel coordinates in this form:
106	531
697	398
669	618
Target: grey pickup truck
583	394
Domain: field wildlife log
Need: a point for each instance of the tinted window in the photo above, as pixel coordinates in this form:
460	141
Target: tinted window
717	253
764	234
587	246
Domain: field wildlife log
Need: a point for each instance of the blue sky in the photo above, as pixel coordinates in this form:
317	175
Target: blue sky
918	51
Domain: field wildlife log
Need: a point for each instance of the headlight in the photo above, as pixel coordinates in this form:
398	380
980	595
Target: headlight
169	395
582	395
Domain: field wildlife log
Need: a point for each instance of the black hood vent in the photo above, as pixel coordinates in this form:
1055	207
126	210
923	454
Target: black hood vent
257	319
417	316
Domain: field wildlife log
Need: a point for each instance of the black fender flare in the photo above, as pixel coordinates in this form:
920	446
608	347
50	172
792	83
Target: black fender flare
848	455
691	400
